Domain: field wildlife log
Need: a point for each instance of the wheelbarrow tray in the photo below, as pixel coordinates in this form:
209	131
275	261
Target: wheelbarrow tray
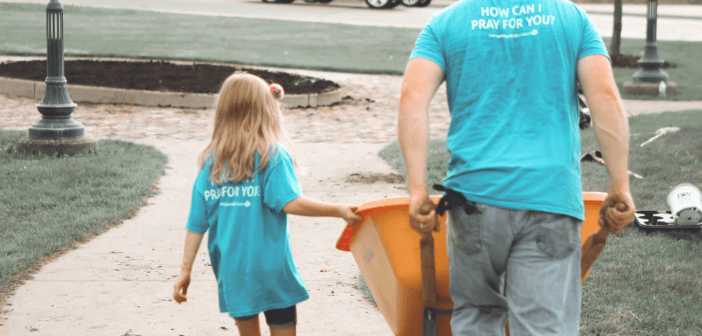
387	251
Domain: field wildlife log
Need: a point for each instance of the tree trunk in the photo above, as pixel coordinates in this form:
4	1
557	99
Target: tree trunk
617	31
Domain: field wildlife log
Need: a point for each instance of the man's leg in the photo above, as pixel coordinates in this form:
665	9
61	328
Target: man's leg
543	275
478	246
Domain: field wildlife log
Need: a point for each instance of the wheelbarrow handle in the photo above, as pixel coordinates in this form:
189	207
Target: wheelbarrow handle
426	244
426	250
591	249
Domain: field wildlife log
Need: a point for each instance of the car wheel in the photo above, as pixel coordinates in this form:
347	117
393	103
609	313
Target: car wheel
423	3
410	3
381	4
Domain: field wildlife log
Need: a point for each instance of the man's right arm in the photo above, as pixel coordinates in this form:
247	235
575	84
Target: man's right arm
421	80
612	133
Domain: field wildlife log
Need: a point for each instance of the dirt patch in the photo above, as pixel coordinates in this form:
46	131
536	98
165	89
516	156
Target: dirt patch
160	76
370	178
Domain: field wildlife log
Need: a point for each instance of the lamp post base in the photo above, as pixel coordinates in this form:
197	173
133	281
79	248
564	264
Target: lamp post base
57	147
648	89
56	129
650	73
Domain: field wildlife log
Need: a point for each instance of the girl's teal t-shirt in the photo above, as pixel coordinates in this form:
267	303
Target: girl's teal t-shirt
510	69
248	240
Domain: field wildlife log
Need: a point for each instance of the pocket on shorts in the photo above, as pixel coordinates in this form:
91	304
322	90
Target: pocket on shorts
558	236
465	231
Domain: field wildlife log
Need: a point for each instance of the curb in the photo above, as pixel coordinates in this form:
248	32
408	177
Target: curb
105	95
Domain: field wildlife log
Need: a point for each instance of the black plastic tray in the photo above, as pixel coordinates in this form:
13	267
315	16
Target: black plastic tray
656	220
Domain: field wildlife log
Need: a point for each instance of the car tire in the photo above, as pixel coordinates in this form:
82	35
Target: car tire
382	4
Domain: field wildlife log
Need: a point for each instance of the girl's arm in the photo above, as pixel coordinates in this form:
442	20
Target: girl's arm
303	206
192	244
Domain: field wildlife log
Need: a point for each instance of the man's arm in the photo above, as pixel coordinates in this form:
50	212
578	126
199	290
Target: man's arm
612	133
421	80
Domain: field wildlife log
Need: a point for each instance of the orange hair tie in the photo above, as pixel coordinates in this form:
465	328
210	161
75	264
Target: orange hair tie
277	91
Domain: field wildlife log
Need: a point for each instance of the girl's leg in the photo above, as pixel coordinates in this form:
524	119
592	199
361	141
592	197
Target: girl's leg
289	331
283	322
248	326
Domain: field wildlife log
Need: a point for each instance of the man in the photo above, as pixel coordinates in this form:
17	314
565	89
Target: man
511	70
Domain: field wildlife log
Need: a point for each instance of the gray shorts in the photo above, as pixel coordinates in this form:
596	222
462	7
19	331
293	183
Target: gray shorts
532	257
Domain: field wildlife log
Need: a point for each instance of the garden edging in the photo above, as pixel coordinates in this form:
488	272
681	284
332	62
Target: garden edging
105	95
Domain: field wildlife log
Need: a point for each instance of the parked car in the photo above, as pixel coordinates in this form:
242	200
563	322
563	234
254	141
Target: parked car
374	4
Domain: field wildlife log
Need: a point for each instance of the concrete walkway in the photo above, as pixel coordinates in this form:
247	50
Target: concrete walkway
120	283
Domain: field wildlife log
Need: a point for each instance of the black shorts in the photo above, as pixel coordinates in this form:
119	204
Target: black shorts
277	318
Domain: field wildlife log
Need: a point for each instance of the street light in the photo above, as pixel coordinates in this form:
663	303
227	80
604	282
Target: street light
650	63
57	131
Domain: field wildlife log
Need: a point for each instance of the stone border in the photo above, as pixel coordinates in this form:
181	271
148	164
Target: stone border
649	89
105	95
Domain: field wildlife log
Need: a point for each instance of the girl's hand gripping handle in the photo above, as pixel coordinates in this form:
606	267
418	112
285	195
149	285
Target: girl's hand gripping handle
350	214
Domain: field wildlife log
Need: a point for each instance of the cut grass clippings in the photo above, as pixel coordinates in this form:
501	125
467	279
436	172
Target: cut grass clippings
48	204
643	283
265	42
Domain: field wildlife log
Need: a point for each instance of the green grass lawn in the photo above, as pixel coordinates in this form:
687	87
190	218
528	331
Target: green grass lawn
292	44
48	204
643	283
288	44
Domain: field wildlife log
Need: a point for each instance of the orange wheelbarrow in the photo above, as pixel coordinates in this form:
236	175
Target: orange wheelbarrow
410	281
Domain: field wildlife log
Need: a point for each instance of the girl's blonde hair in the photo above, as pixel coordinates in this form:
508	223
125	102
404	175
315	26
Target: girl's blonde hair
248	120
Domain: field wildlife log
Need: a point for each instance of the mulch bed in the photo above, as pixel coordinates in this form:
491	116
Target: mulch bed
196	78
160	76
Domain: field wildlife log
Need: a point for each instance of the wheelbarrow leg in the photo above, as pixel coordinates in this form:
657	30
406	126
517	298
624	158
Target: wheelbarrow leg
426	244
429	321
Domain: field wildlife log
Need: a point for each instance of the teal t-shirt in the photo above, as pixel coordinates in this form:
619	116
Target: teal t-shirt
248	240
510	70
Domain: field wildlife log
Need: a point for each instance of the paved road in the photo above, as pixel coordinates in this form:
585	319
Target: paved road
676	22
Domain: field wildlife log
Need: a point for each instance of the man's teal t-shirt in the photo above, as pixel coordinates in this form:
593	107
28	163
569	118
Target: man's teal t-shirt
510	70
248	240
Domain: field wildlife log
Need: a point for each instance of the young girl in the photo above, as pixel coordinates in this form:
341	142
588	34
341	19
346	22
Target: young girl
245	189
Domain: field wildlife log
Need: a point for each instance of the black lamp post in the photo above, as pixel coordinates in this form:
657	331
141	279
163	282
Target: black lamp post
650	63
57	131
